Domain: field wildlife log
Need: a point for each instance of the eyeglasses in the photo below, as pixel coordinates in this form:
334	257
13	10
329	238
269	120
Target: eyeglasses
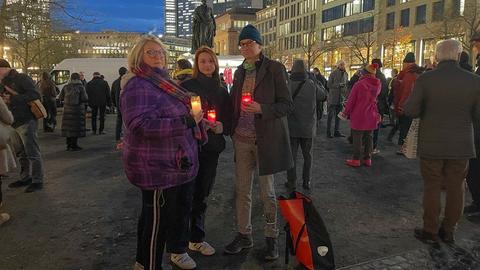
246	44
154	53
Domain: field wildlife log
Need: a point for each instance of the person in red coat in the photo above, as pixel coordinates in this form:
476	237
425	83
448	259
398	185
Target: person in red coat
402	87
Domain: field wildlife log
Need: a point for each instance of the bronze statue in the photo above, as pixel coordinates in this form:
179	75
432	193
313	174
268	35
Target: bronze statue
203	27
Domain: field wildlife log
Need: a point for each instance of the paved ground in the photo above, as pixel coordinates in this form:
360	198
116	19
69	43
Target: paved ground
85	217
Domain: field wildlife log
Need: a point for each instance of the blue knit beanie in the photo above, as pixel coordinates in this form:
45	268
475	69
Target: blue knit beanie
250	32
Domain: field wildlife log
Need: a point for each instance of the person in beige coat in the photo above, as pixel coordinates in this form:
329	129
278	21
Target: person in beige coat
7	159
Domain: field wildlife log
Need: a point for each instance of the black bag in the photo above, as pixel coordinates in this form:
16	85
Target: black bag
306	235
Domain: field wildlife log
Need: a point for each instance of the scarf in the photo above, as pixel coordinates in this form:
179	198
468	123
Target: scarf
159	78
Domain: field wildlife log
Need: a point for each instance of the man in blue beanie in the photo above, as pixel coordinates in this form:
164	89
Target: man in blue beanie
261	102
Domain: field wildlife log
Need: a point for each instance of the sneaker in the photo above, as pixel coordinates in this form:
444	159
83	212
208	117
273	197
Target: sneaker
4	217
425	237
329	135
183	261
338	134
202	247
306	184
21	183
33	187
353	162
368	162
375	151
76	148
240	242
271	252
447	237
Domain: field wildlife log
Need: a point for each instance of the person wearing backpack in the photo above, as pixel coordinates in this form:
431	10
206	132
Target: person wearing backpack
306	94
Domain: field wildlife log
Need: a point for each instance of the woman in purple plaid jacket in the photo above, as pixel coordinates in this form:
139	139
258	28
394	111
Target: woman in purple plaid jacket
160	152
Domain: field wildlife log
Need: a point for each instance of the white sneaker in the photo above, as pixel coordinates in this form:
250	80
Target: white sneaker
202	247
183	261
4	217
375	151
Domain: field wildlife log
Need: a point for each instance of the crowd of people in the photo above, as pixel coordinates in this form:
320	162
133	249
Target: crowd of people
172	131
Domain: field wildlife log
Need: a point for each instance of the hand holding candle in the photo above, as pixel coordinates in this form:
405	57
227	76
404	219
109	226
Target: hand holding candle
246	98
212	116
196	112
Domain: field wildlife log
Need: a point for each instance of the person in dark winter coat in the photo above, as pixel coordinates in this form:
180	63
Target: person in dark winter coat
261	102
361	109
323	81
48	90
337	85
99	98
382	101
74	97
447	100
465	62
116	102
205	83
22	90
306	95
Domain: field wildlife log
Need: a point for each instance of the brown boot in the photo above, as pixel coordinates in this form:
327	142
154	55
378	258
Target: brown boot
447	237
425	237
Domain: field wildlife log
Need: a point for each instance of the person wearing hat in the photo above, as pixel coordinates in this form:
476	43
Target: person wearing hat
261	103
22	90
362	111
99	98
402	87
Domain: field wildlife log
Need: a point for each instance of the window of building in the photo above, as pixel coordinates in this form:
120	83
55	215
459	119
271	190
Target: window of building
405	17
390	21
437	14
390	3
333	13
368	5
421	16
458	7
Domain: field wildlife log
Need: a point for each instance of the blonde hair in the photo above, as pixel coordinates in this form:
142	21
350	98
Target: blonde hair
135	57
207	50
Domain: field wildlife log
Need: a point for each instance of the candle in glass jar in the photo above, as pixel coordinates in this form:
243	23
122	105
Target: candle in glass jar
196	104
246	98
212	115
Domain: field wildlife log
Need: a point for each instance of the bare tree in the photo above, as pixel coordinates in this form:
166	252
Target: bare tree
314	47
397	41
361	45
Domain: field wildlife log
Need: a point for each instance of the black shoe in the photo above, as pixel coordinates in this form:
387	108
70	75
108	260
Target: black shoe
94	132
306	185
447	237
350	139
33	187
240	242
101	133
338	134
76	148
329	135
271	252
425	237
20	183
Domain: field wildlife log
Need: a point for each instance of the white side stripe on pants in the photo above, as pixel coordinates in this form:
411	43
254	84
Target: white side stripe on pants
155	228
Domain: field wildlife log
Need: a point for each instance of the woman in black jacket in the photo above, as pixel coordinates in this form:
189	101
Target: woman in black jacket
206	83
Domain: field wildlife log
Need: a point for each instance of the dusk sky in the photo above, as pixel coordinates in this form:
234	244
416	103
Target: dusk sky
120	15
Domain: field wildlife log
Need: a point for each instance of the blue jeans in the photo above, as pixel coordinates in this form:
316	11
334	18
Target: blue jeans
29	156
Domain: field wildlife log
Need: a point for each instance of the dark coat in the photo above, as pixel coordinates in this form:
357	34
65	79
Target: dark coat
27	92
73	120
98	92
271	127
447	100
116	92
214	96
382	99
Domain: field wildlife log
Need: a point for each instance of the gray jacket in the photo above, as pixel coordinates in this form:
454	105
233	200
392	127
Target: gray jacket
302	121
337	87
447	100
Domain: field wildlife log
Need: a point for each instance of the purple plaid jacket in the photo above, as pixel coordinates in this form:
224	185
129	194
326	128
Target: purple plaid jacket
159	150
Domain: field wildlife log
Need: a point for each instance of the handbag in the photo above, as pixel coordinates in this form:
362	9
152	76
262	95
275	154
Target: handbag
37	109
411	141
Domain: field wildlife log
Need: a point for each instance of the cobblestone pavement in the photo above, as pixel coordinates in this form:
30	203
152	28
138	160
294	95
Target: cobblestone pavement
85	218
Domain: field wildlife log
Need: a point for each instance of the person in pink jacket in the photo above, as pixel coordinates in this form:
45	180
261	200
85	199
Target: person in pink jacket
362	111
